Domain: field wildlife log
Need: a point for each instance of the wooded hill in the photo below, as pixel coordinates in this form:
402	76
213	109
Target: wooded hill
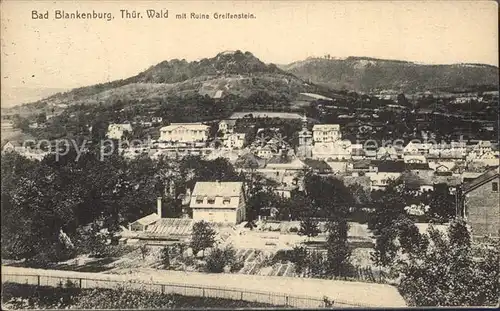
363	74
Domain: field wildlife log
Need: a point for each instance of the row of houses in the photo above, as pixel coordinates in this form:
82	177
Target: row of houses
322	142
225	203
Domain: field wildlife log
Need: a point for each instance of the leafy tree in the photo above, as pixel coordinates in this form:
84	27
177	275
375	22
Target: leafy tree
360	195
316	265
202	237
401	237
309	227
194	169
409	237
458	233
259	201
90	241
388	205
442	203
329	195
338	251
385	249
299	258
449	273
165	257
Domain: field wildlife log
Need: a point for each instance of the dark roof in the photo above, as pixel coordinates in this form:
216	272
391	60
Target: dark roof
417	166
481	180
317	164
361	164
390	166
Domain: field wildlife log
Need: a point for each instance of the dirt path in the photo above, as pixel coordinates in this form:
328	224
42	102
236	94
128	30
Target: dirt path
365	294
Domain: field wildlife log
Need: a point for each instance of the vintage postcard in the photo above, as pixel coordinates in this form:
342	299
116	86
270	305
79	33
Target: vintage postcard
249	154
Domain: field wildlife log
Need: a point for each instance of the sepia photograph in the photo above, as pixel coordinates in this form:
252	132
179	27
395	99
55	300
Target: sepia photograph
236	154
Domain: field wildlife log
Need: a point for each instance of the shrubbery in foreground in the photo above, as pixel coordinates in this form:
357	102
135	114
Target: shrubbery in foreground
22	296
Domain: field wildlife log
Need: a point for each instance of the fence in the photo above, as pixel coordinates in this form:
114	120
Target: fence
276	299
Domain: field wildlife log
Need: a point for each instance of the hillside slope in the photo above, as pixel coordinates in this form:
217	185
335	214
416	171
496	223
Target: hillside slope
364	74
238	73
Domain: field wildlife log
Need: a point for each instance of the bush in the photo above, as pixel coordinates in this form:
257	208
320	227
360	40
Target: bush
237	265
283	255
219	258
23	296
53	253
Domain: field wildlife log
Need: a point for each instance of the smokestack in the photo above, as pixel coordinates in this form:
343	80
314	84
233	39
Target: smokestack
158	206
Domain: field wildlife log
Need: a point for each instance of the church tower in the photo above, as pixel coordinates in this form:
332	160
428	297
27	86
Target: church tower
304	150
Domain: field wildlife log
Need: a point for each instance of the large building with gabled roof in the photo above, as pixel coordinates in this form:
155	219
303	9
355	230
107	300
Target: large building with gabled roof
218	202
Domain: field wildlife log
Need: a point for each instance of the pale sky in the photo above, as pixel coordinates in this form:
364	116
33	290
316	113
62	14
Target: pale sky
71	53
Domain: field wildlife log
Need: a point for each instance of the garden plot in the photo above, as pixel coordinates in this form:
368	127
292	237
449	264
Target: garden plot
135	259
252	259
282	269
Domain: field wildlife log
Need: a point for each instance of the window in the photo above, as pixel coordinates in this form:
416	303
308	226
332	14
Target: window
211	201
226	200
199	200
494	187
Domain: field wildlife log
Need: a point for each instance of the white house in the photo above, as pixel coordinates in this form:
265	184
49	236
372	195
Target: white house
325	133
417	148
184	132
483	146
219	202
267	152
414	159
235	140
387	153
116	131
453	150
226	126
380	180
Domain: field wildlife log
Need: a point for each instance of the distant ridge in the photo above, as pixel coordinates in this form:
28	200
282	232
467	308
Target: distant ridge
368	74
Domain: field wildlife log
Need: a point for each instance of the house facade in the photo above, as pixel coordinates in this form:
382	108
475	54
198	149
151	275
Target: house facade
184	132
326	133
116	131
480	204
218	202
235	140
414	148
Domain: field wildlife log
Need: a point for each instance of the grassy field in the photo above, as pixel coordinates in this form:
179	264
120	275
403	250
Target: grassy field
22	296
